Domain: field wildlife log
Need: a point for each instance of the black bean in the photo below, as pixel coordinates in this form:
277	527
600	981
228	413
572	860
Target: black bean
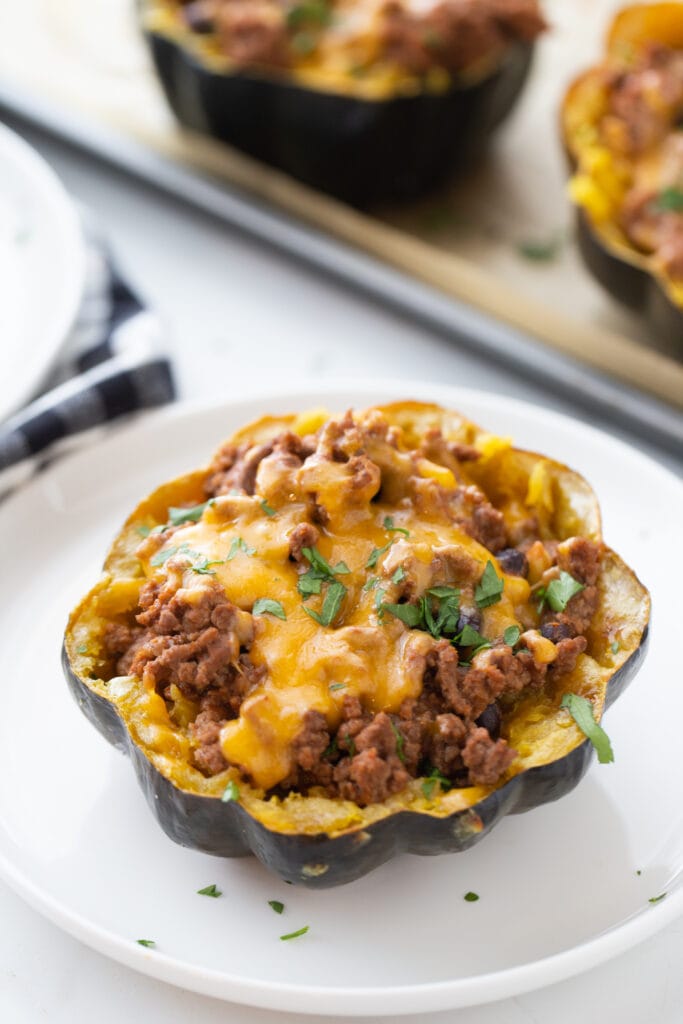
490	719
513	561
556	631
469	617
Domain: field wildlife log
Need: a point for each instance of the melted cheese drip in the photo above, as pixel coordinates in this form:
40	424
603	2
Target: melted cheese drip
310	666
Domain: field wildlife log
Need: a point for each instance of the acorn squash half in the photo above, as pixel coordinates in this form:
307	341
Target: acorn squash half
308	837
362	140
602	177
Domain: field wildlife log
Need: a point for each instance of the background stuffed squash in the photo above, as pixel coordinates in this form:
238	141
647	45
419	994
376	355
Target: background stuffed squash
351	636
369	100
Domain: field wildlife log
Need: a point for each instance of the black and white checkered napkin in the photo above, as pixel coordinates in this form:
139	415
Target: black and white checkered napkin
111	364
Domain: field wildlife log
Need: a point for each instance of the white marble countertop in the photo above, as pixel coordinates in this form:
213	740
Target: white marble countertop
237	312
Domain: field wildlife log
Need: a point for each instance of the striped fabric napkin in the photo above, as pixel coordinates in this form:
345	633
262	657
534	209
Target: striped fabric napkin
112	364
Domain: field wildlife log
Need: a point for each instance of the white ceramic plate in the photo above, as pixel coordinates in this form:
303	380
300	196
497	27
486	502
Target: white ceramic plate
42	267
561	888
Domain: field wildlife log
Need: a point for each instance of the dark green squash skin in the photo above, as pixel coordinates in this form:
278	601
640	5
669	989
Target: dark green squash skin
360	151
633	286
228	830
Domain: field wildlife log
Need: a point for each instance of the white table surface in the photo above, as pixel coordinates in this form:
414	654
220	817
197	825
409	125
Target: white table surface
240	315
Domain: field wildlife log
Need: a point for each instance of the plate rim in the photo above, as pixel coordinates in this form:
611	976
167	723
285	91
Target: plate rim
357	1000
40	179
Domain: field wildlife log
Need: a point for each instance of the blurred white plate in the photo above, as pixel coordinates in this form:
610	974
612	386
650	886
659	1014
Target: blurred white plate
561	888
42	267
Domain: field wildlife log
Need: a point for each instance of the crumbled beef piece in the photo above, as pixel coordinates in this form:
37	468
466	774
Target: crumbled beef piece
493	673
205	730
311	742
580	558
446	744
305	535
485	758
567	653
369	778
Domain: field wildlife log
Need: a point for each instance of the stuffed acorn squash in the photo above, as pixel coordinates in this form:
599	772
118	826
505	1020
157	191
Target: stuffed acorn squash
622	130
349	636
369	100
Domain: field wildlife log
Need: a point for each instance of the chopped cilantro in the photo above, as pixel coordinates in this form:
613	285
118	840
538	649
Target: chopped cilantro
239	545
639	872
203	566
399	575
614	647
310	12
336	686
657	899
276	906
162	557
331	750
511	635
265	507
410	614
376	554
294	935
400	742
379	597
371	583
470	637
581	711
82	649
210	890
471	897
670	198
434	778
267	606
149	943
490	587
559	592
178	516
231	792
389	526
334	596
541	250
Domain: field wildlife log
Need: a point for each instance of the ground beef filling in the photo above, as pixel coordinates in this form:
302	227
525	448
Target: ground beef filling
191	646
449	34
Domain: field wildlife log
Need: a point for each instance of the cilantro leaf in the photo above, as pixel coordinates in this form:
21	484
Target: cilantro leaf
210	890
511	635
389	526
559	592
276	906
334	596
376	554
657	899
203	565
163	556
148	943
178	516
265	507
410	614
239	545
400	742
471	897
471	638
670	198
435	777
231	792
336	686
267	606
399	575
309	583
490	587
294	935
581	711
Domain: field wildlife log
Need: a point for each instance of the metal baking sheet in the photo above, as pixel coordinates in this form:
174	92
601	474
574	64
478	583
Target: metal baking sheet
626	406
